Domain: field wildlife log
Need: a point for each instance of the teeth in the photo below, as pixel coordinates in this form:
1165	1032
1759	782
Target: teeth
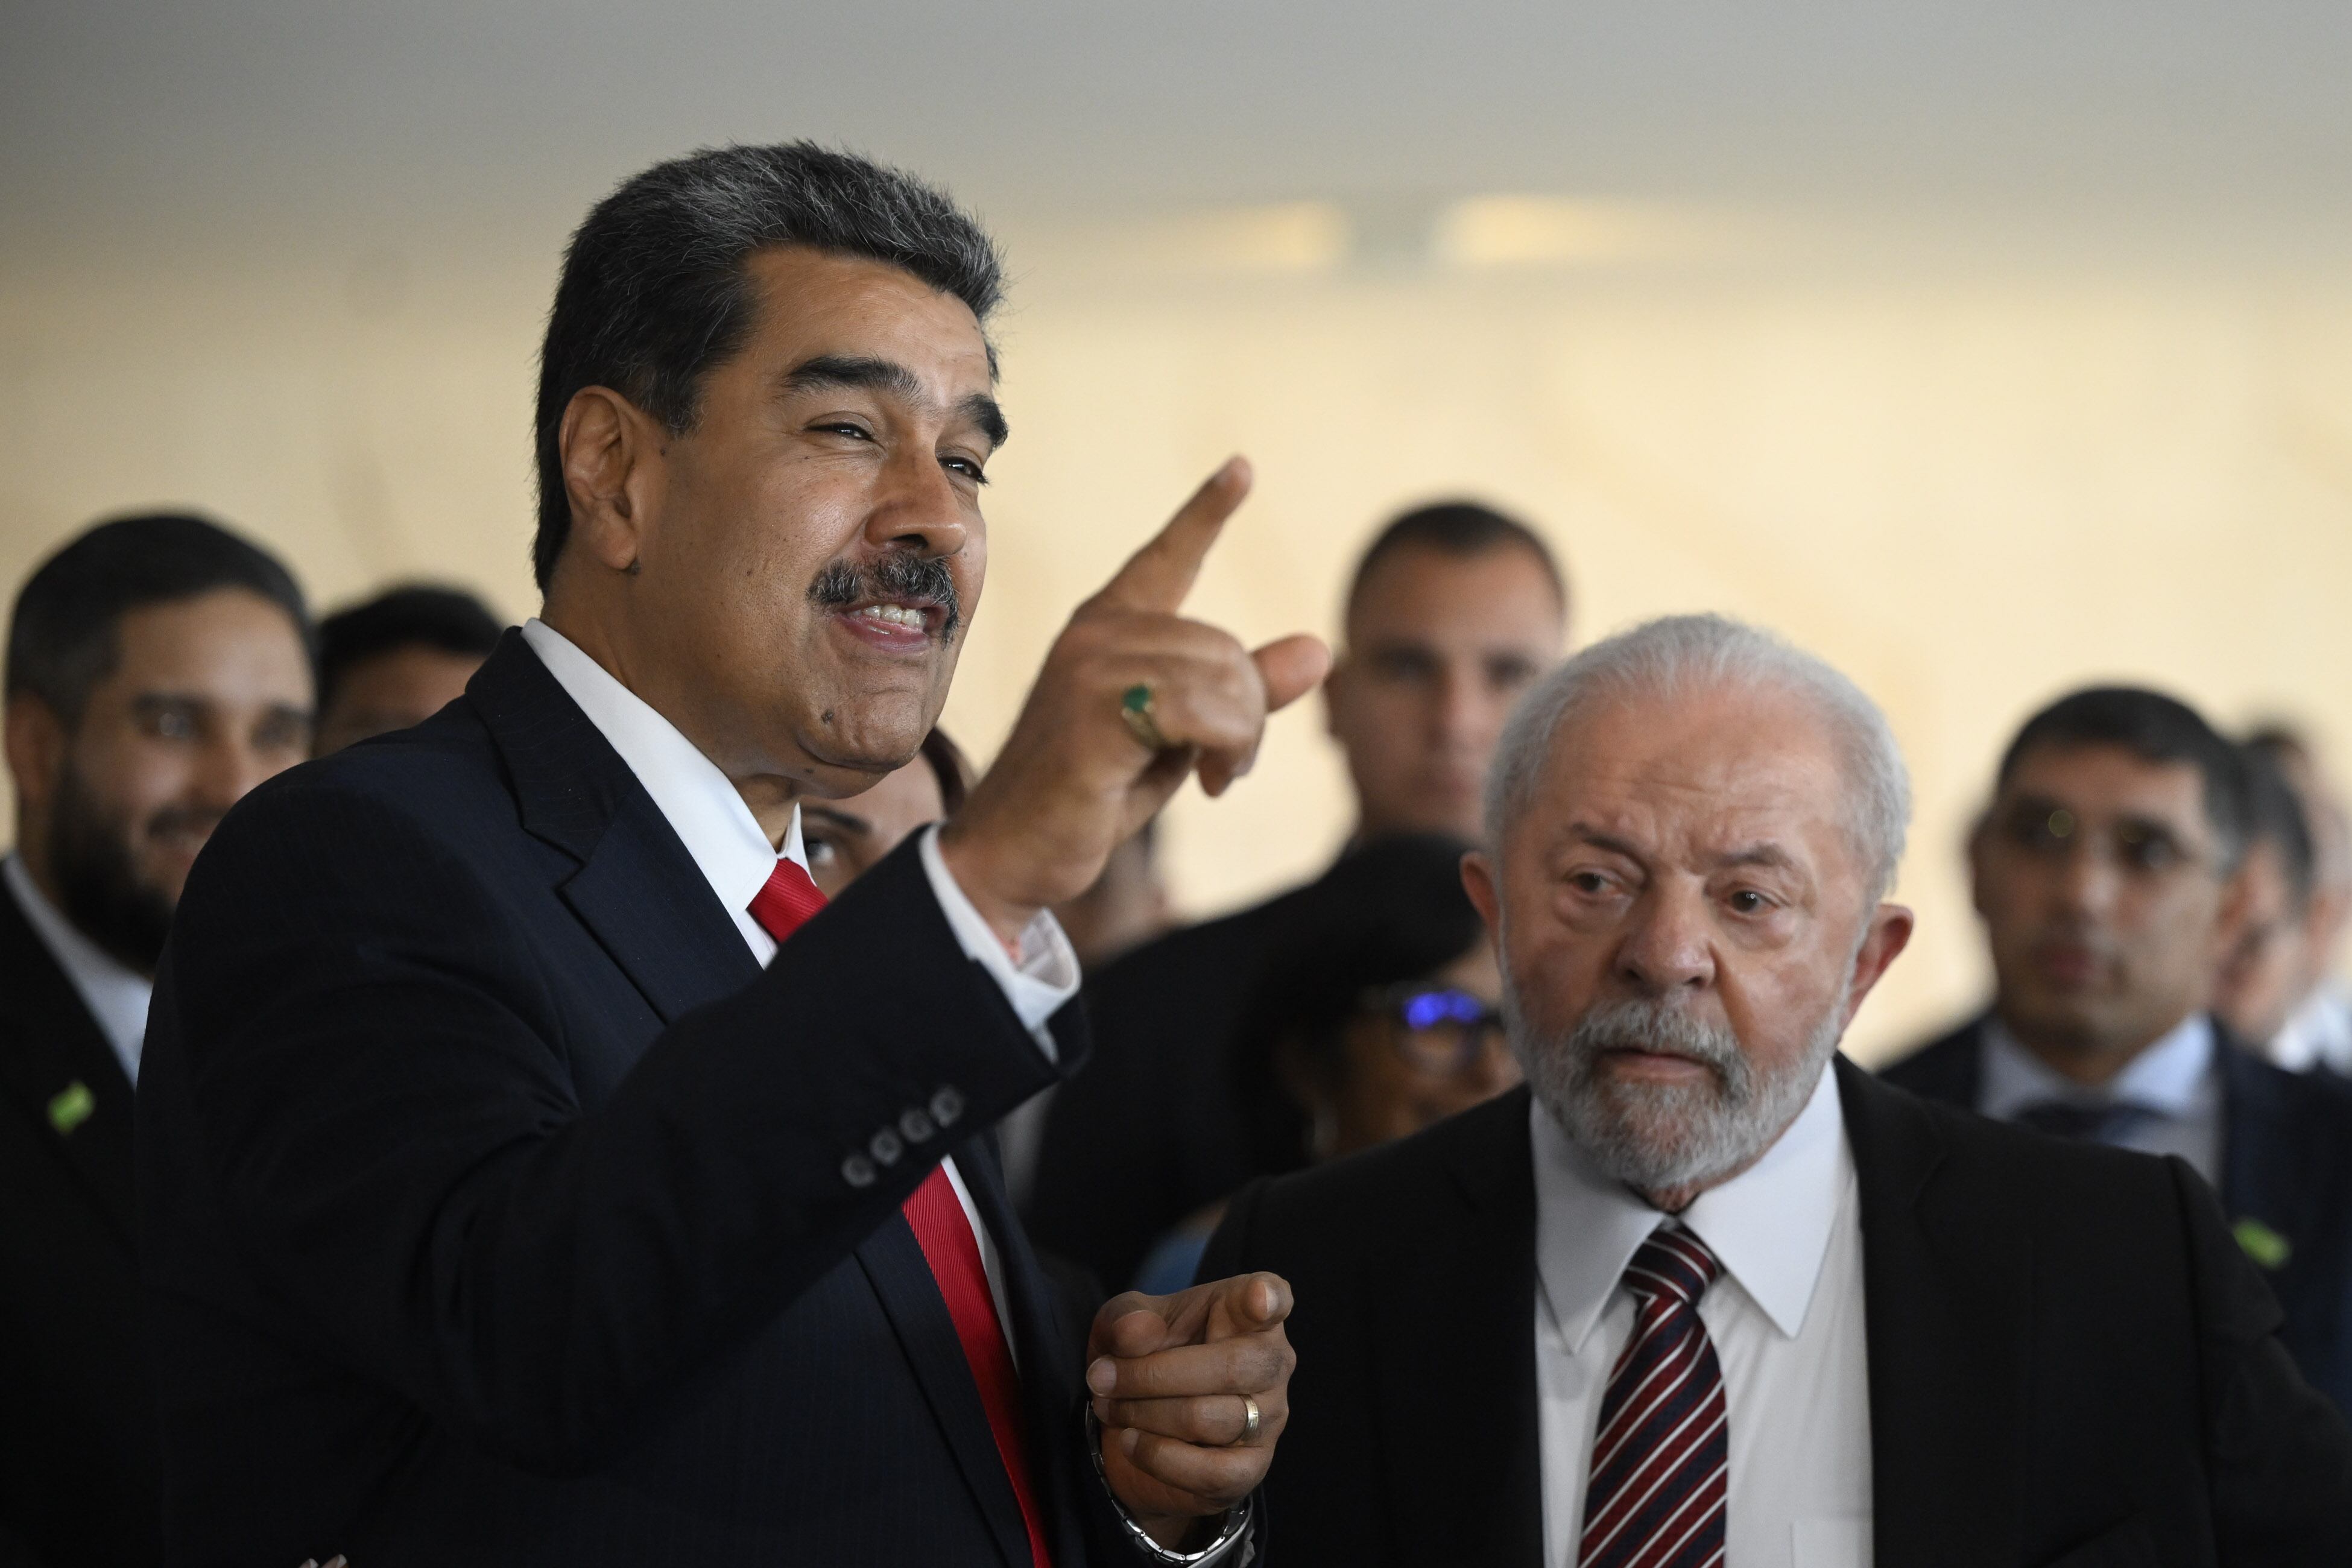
897	615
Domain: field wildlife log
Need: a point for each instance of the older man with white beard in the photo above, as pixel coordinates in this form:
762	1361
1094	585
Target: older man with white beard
1705	1292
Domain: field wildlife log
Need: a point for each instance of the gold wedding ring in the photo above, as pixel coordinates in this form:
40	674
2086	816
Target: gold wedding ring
1251	1421
1135	708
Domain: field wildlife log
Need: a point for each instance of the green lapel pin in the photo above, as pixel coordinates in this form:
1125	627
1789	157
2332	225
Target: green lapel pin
70	1107
2263	1245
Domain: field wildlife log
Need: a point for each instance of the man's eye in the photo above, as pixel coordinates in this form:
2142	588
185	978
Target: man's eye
1749	901
169	725
967	468
1588	882
820	851
854	432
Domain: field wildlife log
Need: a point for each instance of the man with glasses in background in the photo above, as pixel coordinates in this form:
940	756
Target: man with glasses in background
2110	875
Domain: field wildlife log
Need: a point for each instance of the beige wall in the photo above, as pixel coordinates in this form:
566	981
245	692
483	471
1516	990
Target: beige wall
1969	486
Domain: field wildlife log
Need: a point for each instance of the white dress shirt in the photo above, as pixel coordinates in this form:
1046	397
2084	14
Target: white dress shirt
725	840
1785	1316
115	994
2176	1079
2318	1033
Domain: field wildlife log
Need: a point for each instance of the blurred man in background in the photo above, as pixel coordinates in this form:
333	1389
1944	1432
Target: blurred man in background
1453	611
2318	1030
397	659
2110	873
158	668
2264	973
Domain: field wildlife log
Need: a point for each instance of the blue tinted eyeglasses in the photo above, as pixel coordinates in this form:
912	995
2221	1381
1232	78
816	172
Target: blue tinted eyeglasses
1438	1028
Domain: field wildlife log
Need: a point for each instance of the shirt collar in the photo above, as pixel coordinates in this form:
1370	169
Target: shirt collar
2172	1078
701	803
1769	1225
115	994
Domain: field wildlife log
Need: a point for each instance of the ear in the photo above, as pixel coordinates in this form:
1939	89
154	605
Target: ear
1979	843
1335	695
2237	909
1889	934
37	751
1486	893
612	453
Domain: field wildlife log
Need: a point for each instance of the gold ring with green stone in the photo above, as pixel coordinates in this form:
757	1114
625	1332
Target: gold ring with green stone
1135	707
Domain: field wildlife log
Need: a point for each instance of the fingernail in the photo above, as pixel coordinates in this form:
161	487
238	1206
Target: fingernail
1102	1377
1128	1438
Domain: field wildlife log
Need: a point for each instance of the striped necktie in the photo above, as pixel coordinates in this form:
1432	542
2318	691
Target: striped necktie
949	1246
1661	1457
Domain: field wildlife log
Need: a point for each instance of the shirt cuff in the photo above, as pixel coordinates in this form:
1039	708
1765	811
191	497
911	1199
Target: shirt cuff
1234	1545
1047	976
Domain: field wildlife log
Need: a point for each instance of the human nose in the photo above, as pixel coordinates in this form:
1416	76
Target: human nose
1459	717
919	508
228	768
2087	881
1666	947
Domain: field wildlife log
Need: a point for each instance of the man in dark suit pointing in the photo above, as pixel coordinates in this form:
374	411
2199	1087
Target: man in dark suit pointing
1708	1294
533	1169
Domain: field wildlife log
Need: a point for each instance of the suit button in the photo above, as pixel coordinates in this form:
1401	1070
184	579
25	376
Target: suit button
916	1125
885	1147
858	1171
946	1106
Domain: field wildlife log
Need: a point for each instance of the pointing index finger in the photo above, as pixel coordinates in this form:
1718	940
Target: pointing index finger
1157	576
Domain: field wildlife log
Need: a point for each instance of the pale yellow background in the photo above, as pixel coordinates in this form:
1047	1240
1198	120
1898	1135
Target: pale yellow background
1968	467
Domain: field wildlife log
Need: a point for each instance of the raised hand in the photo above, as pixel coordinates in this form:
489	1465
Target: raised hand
1173	1380
1074	780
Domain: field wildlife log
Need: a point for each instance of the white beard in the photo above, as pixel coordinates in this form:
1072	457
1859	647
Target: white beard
1657	1137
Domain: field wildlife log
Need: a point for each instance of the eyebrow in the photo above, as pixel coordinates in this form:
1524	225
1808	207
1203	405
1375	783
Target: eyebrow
870	374
839	818
1767	854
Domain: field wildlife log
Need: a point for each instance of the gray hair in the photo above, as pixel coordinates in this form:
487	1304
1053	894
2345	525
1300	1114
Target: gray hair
1682	654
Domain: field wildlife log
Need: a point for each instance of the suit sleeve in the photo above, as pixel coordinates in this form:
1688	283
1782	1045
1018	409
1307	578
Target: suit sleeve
2280	1455
374	1076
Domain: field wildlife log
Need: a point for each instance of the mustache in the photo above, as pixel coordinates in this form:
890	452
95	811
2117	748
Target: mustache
182	819
1639	1024
900	577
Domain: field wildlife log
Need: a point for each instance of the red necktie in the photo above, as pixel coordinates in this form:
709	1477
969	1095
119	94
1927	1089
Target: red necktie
945	1233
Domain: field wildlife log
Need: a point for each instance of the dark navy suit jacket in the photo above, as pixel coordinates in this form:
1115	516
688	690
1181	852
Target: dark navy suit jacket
2286	1178
78	1482
499	1209
2070	1363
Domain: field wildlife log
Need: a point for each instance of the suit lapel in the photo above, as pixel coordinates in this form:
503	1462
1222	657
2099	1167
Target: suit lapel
893	1261
60	1073
1463	1424
637	890
1948	1296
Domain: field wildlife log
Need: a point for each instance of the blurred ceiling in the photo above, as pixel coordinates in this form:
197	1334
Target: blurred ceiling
164	122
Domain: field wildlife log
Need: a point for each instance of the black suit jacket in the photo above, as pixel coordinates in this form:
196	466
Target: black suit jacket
1148	1133
499	1208
78	1482
2070	1363
2286	1168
